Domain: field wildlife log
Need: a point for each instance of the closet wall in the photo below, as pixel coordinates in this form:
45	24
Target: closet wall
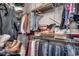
55	14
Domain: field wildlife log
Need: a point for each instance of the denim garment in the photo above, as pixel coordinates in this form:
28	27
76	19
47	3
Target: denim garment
32	22
76	51
71	51
36	48
45	49
50	49
37	21
57	53
65	51
53	50
61	50
40	53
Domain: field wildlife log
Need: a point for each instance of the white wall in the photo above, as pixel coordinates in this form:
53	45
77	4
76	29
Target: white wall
55	14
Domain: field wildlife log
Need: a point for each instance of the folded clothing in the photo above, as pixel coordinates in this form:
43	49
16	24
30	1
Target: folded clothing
3	39
72	35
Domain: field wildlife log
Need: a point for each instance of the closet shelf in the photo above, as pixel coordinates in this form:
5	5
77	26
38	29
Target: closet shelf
56	39
45	7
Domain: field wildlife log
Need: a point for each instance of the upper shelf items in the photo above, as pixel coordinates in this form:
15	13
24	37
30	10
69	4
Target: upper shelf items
45	7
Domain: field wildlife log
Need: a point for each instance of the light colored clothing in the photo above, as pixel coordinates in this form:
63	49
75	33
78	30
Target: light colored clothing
3	39
73	25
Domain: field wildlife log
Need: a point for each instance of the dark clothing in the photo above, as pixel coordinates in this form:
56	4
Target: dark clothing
8	22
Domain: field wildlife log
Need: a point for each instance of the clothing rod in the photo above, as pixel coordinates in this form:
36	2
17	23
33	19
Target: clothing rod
56	40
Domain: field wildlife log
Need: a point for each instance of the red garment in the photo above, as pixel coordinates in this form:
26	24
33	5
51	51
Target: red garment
28	47
73	35
26	28
68	7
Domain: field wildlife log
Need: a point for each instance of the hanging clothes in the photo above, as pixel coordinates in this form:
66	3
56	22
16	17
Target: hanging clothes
24	40
23	24
50	49
28	24
57	53
71	51
67	9
8	21
33	48
47	48
36	48
32	22
40	52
